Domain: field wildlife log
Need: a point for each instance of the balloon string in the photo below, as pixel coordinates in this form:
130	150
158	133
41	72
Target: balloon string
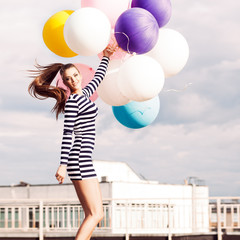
130	3
178	90
127	42
112	71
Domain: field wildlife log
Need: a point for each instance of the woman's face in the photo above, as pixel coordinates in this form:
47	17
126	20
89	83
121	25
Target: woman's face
72	79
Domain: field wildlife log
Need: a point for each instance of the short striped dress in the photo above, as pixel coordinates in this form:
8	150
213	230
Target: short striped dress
79	119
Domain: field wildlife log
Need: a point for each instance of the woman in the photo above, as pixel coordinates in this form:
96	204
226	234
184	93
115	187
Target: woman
79	118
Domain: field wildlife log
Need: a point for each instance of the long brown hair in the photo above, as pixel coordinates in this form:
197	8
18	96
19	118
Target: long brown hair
41	87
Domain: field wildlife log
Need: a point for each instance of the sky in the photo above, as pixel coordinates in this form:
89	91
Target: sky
196	133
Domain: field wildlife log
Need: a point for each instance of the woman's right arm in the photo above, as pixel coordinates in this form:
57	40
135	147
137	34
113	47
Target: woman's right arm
71	111
61	173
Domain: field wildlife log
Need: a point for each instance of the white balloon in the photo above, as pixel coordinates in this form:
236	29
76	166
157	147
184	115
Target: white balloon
87	31
140	78
108	90
171	51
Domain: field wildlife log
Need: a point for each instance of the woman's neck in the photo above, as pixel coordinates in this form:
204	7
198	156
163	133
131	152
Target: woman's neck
79	92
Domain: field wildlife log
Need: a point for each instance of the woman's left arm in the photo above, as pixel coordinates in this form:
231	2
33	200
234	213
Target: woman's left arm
100	73
98	77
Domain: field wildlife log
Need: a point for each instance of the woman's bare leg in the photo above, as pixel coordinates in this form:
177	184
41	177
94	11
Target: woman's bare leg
89	195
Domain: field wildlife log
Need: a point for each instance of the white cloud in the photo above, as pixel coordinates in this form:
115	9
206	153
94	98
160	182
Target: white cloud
227	65
211	29
30	143
193	106
170	153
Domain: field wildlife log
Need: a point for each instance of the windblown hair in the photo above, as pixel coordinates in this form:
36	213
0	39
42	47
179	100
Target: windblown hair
41	87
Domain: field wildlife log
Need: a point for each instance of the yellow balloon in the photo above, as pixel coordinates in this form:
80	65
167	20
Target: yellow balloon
53	34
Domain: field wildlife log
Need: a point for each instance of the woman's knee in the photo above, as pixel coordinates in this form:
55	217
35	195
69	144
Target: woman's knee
96	215
100	215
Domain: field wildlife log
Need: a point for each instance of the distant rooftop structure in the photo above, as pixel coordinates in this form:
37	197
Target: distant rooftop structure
111	171
117	180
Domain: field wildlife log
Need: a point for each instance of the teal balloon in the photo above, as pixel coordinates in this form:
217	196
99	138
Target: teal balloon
137	114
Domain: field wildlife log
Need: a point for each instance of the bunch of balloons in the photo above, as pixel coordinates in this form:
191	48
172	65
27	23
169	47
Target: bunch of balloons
148	52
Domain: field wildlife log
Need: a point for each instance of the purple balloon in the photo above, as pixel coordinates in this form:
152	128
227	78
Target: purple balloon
160	9
136	30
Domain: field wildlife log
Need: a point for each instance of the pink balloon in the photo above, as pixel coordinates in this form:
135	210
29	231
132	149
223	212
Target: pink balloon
87	73
119	54
112	8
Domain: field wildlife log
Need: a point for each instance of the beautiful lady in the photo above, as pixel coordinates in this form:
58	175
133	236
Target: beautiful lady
79	118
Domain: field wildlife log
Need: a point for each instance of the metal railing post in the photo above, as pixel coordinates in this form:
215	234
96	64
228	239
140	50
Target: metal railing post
219	227
169	221
126	214
68	218
194	208
41	220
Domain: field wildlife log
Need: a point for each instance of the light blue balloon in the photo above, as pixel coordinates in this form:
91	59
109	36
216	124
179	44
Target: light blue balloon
137	114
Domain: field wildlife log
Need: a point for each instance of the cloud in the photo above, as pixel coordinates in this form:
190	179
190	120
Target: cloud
227	65
175	152
193	107
30	142
211	30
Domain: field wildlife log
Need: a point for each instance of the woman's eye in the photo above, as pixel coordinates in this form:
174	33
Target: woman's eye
75	75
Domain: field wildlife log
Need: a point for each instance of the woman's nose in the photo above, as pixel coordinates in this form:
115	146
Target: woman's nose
74	79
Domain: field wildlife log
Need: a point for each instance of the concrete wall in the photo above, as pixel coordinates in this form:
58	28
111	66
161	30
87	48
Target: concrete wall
150	190
109	190
65	191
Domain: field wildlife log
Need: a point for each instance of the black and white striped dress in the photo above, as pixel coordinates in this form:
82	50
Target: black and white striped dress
79	118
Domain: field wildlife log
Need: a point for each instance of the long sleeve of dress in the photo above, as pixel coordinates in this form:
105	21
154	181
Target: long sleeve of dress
98	77
71	112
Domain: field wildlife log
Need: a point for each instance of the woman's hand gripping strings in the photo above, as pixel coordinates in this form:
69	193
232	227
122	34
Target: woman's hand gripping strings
61	173
110	49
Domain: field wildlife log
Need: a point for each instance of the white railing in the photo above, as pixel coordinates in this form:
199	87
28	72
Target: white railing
224	215
124	216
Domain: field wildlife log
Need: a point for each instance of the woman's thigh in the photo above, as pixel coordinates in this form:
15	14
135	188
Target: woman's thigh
89	194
